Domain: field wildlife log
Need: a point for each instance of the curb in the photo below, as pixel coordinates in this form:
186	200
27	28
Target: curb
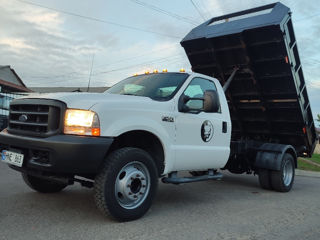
307	173
310	162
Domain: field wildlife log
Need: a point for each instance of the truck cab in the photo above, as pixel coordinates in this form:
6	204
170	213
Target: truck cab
173	111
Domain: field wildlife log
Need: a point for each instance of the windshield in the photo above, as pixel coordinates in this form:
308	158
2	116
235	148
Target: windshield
160	86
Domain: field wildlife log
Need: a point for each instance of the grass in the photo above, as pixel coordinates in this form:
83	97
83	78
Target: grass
306	166
315	158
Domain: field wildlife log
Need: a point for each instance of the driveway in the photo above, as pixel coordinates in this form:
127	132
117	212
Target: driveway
233	208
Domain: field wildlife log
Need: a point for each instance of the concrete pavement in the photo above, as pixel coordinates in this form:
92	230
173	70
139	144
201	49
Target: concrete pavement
233	208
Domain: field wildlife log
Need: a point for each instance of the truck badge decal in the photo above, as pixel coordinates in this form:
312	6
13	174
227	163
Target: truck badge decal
206	131
167	119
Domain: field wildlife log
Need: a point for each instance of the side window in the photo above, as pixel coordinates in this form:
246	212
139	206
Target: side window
196	89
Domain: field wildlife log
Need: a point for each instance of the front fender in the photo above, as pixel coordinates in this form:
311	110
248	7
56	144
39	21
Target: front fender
138	123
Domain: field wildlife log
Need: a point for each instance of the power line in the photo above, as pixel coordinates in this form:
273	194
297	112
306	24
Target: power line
308	17
160	10
165	59
82	79
140	64
99	66
61	75
173	60
204	9
197	10
97	19
135	57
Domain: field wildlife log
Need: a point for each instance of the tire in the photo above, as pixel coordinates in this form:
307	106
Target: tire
282	180
237	171
198	173
265	179
42	185
126	185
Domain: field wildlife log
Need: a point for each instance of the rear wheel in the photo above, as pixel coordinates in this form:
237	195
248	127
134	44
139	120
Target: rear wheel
127	184
282	180
42	185
265	179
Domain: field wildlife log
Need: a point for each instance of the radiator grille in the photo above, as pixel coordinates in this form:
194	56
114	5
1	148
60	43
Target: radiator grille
40	119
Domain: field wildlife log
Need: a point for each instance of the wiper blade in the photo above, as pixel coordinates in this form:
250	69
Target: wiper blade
130	94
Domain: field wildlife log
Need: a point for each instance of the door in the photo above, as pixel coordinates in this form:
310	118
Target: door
200	138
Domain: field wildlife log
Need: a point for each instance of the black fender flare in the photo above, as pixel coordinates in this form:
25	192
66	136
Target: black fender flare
269	155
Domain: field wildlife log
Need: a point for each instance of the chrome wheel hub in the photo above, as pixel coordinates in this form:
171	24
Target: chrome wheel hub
287	173
132	185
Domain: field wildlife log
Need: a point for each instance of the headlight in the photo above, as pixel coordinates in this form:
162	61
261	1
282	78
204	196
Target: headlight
81	122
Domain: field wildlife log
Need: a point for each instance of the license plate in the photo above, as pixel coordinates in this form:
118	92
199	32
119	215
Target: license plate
12	158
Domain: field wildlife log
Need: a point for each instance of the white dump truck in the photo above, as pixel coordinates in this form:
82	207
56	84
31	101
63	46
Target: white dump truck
244	108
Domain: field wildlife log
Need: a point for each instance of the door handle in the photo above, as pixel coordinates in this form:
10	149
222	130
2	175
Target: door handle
224	127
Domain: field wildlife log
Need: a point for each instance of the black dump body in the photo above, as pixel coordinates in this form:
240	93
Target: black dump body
268	99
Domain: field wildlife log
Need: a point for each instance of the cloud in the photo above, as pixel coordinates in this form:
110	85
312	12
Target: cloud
37	44
315	85
15	44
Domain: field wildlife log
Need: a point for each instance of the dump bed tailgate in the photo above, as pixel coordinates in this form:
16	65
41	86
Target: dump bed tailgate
268	99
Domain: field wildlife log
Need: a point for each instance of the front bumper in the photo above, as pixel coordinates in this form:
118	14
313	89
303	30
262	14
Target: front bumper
59	154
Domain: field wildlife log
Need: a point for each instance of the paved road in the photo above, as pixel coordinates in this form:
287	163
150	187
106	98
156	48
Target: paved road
233	208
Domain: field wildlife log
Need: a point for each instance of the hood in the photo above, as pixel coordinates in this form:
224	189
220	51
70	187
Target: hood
87	100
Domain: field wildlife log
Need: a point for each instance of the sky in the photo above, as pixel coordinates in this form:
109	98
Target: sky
58	43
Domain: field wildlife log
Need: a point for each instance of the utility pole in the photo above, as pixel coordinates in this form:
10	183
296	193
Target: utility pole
90	73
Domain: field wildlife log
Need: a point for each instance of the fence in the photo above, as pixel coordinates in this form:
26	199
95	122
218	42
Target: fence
5	99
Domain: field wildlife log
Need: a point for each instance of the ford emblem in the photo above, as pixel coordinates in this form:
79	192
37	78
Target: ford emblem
23	118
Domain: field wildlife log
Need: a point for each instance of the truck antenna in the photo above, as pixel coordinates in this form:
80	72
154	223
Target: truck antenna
90	73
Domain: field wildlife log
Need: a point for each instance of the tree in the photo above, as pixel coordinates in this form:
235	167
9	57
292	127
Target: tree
318	120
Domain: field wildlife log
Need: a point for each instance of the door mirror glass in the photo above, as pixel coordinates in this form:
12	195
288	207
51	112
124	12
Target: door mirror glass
211	101
200	95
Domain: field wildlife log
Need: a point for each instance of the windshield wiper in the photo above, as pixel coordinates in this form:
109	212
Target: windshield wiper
130	94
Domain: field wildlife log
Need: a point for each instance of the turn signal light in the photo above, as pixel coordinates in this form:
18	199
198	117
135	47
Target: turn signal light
155	71
146	72
304	130
164	70
286	59
95	132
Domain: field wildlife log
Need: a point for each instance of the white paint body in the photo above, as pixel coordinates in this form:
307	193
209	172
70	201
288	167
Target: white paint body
181	139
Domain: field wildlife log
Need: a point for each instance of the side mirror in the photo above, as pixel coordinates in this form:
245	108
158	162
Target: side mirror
211	101
182	107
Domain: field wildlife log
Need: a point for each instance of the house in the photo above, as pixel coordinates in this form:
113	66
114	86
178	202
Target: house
10	81
11	86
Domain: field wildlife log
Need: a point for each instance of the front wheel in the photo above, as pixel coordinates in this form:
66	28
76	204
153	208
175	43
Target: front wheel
42	185
127	184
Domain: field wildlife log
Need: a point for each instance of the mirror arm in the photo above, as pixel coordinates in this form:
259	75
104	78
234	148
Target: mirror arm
201	99
227	84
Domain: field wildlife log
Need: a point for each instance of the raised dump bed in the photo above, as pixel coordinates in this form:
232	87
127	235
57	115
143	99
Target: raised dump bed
268	98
